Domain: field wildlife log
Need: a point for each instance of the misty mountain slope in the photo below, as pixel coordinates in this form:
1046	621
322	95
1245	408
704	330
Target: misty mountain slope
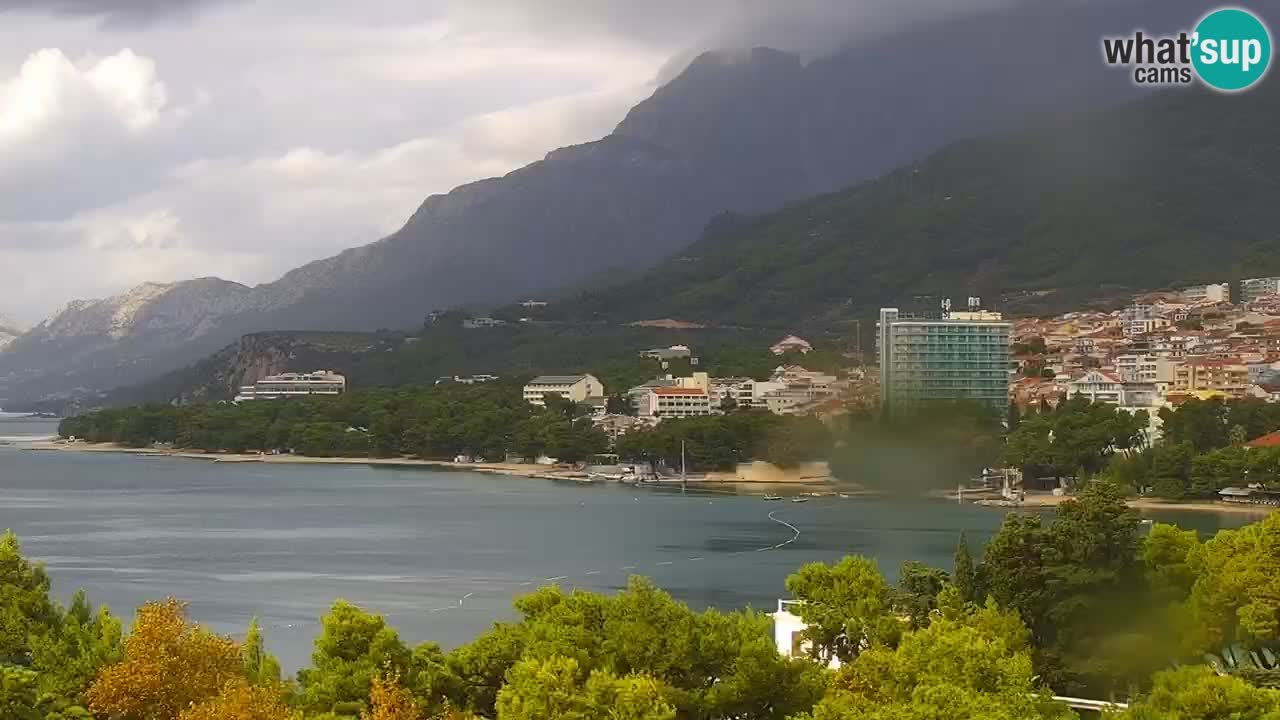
1177	188
741	131
93	344
10	329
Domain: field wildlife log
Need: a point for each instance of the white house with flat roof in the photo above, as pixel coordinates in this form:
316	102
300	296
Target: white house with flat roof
284	385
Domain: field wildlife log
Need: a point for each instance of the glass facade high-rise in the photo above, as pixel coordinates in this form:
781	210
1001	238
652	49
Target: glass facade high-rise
963	357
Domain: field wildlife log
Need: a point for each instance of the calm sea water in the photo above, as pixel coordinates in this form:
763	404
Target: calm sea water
441	554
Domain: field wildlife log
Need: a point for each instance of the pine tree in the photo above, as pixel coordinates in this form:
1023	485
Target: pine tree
965	576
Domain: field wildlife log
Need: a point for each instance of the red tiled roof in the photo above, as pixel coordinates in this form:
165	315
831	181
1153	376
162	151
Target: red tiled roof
1266	441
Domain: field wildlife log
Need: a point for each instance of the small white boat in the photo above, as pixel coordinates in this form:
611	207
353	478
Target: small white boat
772	497
800	498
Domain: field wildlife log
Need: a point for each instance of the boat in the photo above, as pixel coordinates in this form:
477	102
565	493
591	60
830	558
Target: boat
770	496
800	498
845	495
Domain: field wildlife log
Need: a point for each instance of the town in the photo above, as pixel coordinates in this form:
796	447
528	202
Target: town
1205	341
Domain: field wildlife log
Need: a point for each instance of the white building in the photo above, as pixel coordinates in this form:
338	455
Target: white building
1138	319
677	402
1211	293
576	388
1097	386
787	631
1102	387
745	392
1254	288
791	343
1144	368
675	352
272	387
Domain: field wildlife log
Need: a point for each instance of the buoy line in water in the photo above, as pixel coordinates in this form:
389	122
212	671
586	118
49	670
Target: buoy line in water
772	516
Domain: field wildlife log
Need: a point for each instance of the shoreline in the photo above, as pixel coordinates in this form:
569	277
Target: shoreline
806	485
533	471
1040	501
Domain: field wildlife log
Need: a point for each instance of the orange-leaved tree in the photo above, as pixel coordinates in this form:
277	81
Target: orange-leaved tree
241	701
170	664
389	700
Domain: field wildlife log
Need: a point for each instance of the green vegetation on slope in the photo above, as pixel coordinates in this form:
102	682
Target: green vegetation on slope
1178	187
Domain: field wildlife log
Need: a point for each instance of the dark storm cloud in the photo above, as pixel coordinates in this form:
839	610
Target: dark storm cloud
110	11
808	27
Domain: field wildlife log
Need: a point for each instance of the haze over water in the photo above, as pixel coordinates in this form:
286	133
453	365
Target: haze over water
283	541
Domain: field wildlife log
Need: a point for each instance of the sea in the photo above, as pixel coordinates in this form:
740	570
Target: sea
440	553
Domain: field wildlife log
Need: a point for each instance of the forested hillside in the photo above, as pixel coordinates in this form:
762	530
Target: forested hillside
1179	187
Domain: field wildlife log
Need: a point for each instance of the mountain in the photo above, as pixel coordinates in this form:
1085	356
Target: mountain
1178	188
93	344
9	330
736	131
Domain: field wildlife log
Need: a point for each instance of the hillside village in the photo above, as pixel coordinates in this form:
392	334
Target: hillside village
1205	341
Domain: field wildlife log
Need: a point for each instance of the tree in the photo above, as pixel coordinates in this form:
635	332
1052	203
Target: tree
554	688
169	665
620	404
1166	558
1236	595
970	664
1171	469
353	648
388	700
68	655
918	588
18	694
25	606
1069	582
846	607
1195	692
965	574
260	667
240	700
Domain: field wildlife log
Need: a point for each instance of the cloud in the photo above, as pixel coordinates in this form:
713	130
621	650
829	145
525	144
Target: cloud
167	139
113	12
69	130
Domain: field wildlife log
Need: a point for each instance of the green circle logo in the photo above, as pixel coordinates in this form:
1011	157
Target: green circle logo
1232	49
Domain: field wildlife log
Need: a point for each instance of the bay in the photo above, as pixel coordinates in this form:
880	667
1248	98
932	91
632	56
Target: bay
440	553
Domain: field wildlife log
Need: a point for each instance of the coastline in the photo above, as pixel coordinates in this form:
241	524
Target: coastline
1036	501
797	480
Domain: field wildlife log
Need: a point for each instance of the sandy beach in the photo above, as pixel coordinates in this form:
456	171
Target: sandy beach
809	476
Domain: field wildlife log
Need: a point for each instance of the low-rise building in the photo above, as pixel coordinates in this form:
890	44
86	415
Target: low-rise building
466	379
577	388
1210	293
744	392
1228	377
790	343
675	352
482	322
286	385
678	402
1097	386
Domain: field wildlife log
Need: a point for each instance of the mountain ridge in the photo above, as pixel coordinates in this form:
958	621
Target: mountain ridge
734	132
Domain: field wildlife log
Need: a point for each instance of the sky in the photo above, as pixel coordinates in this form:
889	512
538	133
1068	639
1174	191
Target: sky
161	140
